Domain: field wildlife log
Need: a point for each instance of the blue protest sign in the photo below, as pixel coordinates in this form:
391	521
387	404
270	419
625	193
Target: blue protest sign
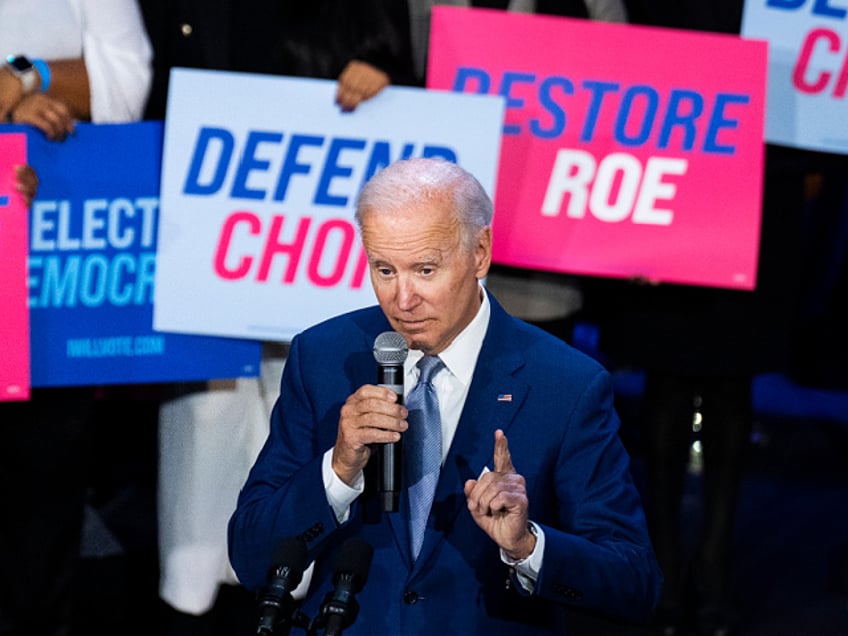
92	262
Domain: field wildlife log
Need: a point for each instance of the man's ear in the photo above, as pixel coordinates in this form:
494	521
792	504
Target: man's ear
483	253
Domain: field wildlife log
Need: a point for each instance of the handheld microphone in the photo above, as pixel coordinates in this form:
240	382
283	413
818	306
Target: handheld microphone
339	609
390	351
276	605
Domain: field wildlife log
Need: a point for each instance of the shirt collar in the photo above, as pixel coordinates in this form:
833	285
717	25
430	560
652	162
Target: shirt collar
460	357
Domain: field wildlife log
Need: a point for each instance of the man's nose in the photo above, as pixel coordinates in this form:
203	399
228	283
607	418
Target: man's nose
407	294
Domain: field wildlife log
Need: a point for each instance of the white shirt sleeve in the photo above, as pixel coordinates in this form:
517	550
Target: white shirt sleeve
527	569
118	57
339	495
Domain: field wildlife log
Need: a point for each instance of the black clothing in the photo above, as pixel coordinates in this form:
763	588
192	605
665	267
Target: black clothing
45	453
319	38
568	8
186	33
314	39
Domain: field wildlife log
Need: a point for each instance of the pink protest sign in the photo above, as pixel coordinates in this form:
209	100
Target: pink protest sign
626	150
14	321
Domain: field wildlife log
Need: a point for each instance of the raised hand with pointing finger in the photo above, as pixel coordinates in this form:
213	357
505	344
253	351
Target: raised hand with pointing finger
498	503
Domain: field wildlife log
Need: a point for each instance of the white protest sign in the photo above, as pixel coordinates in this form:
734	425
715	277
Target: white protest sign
807	70
259	183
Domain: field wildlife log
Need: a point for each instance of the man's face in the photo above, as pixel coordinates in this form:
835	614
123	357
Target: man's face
424	277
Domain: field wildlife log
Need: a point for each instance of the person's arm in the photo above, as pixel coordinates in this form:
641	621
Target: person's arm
109	83
69	83
118	60
383	56
607	10
597	552
11	91
48	95
592	548
358	82
57	97
285	494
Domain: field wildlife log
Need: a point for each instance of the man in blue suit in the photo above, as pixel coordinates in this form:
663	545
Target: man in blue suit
519	528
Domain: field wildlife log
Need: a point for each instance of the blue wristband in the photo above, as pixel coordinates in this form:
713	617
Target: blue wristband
43	72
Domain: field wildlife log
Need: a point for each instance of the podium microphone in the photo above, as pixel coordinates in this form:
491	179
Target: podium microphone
390	351
276	605
339	609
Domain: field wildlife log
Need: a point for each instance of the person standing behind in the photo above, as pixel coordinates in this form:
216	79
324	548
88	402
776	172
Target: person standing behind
364	44
361	43
419	17
68	61
72	60
548	519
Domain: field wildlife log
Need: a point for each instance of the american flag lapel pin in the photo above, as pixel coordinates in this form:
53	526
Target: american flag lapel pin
504	397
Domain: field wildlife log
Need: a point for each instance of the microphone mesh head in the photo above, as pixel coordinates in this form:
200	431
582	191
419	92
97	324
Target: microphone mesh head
390	348
290	552
355	560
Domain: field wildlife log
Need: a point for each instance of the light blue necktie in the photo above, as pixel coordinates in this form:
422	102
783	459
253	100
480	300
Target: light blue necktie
423	444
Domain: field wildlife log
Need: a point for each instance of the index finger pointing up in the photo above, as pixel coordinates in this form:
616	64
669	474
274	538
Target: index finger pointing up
502	458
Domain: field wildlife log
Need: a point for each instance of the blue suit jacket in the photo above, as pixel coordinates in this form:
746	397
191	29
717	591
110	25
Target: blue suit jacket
563	437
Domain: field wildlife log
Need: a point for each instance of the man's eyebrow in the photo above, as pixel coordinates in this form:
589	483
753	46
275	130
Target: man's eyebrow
435	257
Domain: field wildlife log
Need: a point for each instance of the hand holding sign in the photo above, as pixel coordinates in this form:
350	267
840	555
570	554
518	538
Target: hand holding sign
26	183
